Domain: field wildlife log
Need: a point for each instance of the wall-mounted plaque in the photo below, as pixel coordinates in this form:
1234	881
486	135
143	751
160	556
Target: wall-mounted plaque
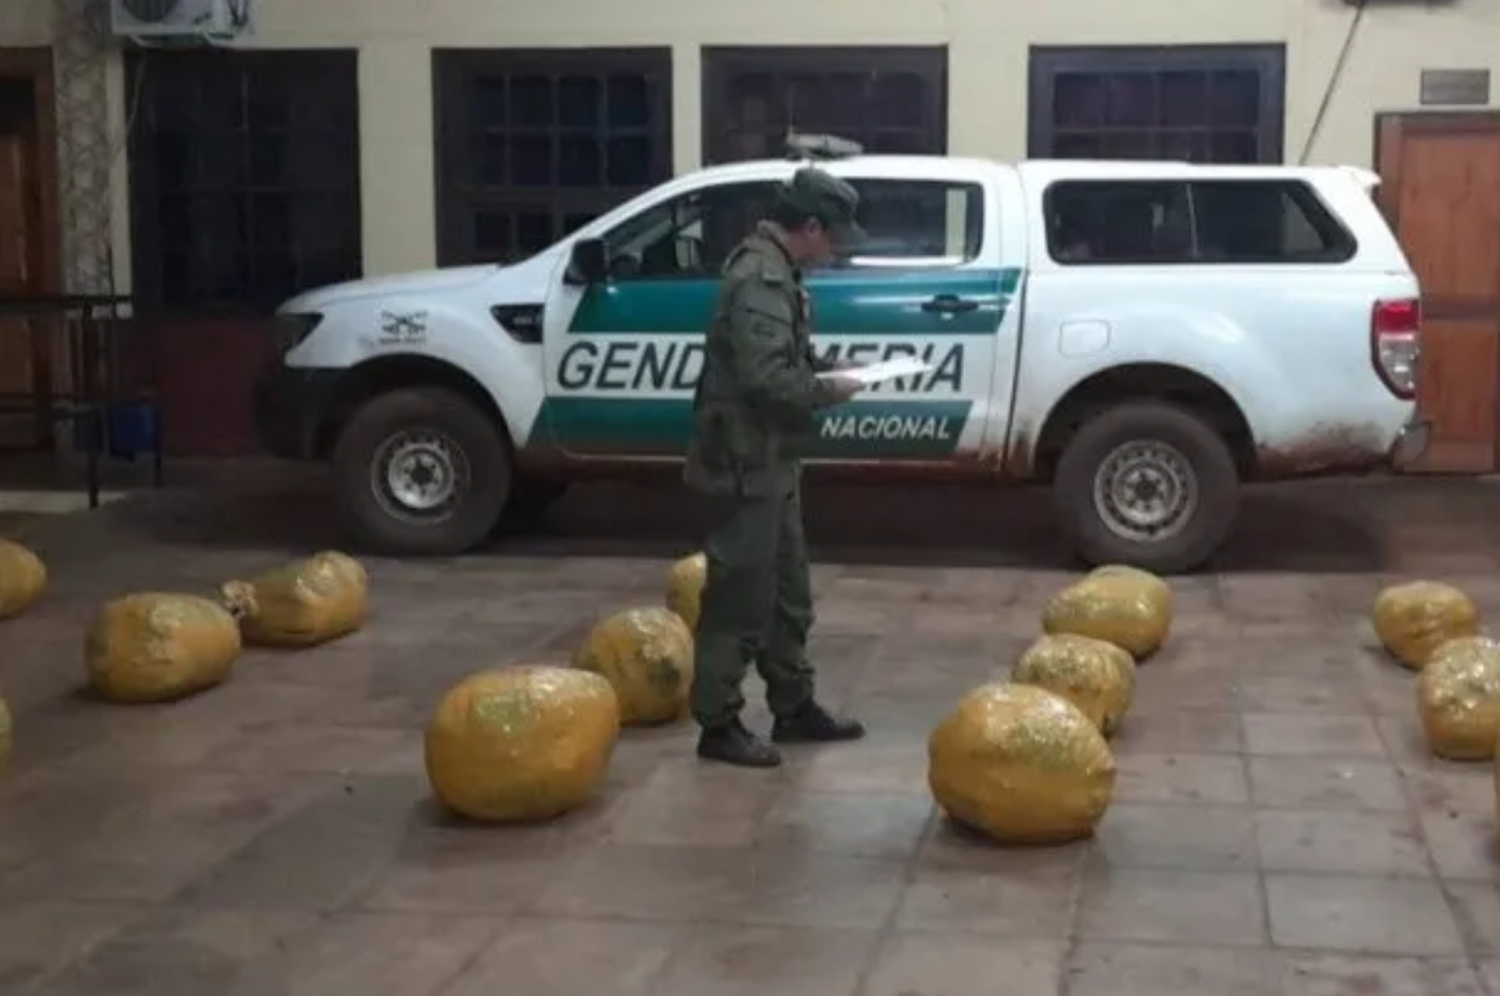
1455	87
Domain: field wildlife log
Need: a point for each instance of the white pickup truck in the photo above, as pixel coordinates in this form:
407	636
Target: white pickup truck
1144	337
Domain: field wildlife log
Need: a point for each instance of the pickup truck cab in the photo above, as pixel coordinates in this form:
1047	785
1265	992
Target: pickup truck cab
1142	336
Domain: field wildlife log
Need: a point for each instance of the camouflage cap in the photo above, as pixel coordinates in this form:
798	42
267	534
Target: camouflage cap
826	197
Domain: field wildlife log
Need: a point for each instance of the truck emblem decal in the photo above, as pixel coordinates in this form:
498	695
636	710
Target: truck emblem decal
402	328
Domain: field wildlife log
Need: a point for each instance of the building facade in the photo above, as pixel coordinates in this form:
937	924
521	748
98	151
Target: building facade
361	137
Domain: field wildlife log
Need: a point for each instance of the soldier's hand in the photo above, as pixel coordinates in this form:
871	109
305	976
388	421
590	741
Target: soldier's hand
844	388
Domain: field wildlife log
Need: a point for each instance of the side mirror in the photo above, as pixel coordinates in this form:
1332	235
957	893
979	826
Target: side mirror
587	264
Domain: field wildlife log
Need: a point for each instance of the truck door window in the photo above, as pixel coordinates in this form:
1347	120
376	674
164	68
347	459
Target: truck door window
687	237
921	221
1169	221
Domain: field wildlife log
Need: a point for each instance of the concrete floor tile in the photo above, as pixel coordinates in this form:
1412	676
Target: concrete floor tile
563	957
1335	842
1113	968
1214	838
964	965
1172	906
1463	845
740	961
1304	735
1183	778
1315	783
1367	915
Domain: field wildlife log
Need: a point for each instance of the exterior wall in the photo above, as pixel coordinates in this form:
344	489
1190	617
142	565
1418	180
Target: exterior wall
988	42
25	22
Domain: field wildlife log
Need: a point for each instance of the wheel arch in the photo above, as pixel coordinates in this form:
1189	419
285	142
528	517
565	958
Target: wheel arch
384	374
1162	382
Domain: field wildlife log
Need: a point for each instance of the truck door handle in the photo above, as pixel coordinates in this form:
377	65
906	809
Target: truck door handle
949	304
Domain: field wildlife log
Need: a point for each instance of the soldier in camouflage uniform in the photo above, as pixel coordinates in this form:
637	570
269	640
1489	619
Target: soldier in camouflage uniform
755	411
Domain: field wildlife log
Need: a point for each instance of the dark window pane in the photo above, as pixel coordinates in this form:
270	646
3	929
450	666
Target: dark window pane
629	101
533	232
1249	221
268	160
920	219
1191	146
580	161
268	109
629	162
220	161
1077	100
531	101
1234	99
173	156
845	103
1118	221
531	160
1184	98
1130	99
579	100
743	145
1076	146
900	143
268	219
485	102
1234	147
751	103
573	222
898	99
174	219
1129	145
492	236
488	159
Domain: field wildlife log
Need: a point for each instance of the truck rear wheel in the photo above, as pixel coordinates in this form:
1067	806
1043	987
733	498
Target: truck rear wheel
422	472
1147	484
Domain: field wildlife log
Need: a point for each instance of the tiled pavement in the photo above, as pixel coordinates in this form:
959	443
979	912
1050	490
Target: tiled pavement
1277	827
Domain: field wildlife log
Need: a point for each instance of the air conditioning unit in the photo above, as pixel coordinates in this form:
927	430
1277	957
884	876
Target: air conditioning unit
178	19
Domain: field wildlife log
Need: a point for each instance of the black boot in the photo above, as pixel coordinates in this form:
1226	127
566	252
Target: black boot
812	724
733	744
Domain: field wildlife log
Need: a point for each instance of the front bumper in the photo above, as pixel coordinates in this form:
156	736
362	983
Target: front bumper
291	407
1411	443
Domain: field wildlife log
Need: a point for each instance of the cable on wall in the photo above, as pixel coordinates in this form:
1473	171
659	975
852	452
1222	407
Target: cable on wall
1334	76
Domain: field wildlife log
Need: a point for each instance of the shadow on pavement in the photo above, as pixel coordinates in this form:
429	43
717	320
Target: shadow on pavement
1326	526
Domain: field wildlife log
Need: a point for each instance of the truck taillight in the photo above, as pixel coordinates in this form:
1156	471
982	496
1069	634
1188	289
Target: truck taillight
1395	343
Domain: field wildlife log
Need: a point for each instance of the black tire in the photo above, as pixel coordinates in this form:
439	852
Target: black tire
472	440
1207	457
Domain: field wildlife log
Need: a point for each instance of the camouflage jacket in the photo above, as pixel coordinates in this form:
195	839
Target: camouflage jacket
758	393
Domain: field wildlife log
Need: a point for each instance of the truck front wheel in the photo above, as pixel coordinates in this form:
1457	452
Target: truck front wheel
1147	484
422	472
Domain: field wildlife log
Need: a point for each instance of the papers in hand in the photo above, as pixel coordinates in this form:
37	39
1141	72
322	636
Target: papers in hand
876	373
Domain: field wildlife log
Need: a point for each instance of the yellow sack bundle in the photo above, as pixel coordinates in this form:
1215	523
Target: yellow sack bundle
1412	620
4	733
1154	587
23	578
1097	677
685	588
521	744
1021	764
155	647
647	655
1125	610
1458	698
302	604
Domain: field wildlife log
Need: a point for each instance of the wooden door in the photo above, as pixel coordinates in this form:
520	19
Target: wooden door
1441	192
20	274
